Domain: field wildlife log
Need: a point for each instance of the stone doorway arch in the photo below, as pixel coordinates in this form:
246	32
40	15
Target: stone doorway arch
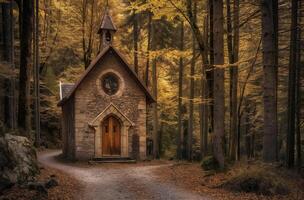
125	123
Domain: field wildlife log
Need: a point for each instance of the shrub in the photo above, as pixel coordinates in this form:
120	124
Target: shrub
257	180
209	163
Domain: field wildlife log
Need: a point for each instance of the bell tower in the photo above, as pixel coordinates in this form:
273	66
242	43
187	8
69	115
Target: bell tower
107	30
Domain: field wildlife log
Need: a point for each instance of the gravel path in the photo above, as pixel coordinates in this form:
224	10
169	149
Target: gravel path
118	181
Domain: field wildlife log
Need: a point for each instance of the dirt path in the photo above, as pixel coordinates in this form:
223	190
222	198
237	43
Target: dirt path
113	181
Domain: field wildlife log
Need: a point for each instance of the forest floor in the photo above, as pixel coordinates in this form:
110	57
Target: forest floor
120	181
190	176
159	180
67	187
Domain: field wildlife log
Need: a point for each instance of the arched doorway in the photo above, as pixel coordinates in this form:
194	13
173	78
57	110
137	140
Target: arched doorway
111	137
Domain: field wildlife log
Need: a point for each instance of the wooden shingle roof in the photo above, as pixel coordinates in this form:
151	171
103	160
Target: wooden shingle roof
100	56
107	23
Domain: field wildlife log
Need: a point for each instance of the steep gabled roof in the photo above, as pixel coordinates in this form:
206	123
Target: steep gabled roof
93	64
107	23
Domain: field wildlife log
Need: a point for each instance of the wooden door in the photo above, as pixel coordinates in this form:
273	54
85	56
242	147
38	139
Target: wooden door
111	137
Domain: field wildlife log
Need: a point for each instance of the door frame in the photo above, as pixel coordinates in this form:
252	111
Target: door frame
125	123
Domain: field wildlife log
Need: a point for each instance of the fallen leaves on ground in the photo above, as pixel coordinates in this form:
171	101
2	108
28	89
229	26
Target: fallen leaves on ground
192	177
68	188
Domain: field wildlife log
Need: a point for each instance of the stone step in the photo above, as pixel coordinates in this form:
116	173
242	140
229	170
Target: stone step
113	160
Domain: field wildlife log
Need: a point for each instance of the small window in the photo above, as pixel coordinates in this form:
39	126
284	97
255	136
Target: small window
110	83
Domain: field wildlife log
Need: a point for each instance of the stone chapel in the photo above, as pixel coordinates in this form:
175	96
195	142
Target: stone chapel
104	112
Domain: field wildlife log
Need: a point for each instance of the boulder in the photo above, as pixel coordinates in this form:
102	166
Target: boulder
38	186
18	161
50	183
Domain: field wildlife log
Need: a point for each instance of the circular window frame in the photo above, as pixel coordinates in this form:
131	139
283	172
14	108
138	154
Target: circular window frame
115	78
99	83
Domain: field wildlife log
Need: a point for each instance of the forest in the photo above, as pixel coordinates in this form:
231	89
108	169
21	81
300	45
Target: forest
225	77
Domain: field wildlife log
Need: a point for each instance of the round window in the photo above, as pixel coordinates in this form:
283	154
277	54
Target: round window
110	83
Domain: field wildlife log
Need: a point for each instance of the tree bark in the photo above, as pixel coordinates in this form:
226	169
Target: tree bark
180	142
135	41
36	75
205	95
235	76
154	88
8	43
191	95
299	96
269	70
148	49
24	108
210	71
291	131
233	50
155	112
6	28
219	102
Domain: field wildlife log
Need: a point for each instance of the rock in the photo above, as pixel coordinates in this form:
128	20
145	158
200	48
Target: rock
18	162
3	160
38	186
51	183
5	183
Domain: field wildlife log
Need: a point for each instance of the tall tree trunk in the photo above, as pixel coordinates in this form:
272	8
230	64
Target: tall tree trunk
155	112
8	39
270	105
210	71
161	133
180	142
154	88
235	75
275	13
219	97
201	44
24	108
230	34
299	96
87	35
290	154
148	49
233	50
205	95
191	95
6	27
135	40
36	75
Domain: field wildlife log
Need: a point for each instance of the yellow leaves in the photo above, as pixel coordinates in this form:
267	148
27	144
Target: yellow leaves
71	74
198	100
159	8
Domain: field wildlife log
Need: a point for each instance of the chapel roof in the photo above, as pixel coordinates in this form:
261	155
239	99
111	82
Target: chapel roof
100	56
107	23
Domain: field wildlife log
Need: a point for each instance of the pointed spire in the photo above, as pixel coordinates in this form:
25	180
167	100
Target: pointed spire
107	29
107	22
